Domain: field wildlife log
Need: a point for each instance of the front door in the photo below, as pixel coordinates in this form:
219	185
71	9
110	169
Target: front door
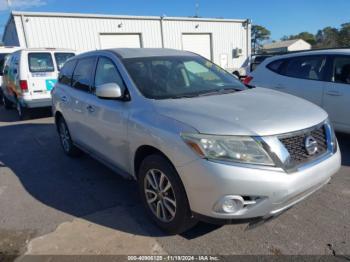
107	119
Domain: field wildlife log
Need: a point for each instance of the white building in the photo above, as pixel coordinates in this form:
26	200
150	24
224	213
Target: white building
224	41
286	46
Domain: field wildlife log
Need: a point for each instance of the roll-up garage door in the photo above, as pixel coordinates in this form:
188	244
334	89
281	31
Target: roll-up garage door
120	40
197	43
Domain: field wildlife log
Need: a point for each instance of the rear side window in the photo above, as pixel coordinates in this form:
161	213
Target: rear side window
83	74
61	58
2	62
341	70
66	73
40	62
308	67
275	66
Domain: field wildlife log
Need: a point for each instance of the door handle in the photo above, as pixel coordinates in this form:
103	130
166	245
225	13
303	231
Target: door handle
334	93
64	99
90	108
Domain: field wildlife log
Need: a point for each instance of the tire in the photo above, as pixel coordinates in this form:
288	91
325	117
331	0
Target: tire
172	218
66	141
236	74
23	113
7	103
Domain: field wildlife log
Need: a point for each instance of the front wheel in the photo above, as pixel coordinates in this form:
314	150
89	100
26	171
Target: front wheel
164	196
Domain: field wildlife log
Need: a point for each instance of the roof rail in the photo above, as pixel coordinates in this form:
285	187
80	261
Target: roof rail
299	51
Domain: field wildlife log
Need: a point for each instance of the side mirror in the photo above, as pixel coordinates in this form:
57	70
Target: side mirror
109	91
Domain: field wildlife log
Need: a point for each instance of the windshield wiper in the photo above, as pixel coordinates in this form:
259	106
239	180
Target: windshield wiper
219	91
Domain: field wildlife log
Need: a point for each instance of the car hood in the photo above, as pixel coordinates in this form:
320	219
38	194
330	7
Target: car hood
254	112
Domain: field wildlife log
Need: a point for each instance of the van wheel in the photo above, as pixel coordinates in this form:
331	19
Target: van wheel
163	195
23	113
66	141
7	103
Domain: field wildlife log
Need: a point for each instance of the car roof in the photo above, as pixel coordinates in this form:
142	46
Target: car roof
8	49
343	51
47	50
148	52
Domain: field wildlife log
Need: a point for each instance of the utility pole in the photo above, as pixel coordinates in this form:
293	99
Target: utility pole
197	9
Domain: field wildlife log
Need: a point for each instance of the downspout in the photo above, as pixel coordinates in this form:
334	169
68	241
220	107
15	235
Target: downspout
161	30
24	32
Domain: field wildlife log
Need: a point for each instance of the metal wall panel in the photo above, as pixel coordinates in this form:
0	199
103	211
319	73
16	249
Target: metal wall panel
226	36
83	34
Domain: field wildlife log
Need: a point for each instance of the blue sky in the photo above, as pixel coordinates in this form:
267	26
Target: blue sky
281	17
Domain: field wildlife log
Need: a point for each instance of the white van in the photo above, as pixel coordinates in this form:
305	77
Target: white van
29	76
5	51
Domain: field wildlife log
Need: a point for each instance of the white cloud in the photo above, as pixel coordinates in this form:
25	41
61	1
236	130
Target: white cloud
20	4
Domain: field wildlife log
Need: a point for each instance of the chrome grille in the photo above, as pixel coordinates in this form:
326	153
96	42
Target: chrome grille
295	144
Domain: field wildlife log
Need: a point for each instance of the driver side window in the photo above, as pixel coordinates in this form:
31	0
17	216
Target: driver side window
106	72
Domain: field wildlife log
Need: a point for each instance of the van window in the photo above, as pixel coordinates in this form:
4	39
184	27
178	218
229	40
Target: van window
2	61
61	58
40	62
65	76
83	74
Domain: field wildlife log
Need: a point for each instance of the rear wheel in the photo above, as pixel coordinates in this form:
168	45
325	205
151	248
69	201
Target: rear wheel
66	141
164	196
23	113
7	103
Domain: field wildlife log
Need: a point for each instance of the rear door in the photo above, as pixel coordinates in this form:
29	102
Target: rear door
2	62
78	96
42	74
337	93
301	76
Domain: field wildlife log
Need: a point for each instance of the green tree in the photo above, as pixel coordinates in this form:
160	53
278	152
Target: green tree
344	35
306	36
259	34
328	37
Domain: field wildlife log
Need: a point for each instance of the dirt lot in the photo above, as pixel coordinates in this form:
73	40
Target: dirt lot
51	204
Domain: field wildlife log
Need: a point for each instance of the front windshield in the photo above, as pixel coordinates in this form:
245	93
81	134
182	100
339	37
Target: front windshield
176	77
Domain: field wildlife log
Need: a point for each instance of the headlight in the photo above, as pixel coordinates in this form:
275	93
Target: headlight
238	149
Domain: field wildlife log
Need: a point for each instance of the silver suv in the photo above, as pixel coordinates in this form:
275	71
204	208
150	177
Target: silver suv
199	144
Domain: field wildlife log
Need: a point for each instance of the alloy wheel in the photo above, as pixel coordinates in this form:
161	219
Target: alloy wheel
64	135
19	109
160	195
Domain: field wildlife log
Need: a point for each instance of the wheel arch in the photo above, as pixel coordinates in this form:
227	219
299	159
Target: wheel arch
58	115
142	152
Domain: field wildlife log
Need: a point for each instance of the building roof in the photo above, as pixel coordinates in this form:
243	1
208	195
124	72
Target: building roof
87	15
281	44
148	52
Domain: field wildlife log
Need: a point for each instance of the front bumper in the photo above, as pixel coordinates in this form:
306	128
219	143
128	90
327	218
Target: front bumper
207	182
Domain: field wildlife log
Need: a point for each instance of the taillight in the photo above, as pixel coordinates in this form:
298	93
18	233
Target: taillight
23	85
247	80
